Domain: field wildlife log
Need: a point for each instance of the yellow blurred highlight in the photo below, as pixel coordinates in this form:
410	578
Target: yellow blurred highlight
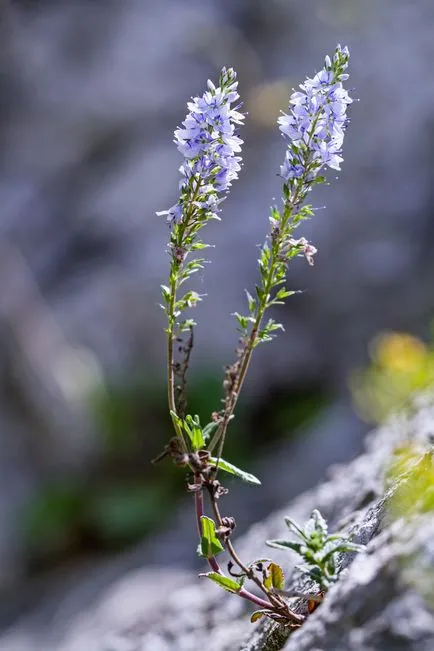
401	365
401	352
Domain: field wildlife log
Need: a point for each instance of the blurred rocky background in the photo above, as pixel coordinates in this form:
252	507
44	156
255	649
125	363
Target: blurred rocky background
90	93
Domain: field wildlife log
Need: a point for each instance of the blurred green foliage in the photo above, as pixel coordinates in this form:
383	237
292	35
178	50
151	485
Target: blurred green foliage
413	466
401	365
284	411
125	497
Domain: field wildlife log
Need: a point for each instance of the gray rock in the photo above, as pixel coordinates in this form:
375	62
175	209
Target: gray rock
380	602
372	607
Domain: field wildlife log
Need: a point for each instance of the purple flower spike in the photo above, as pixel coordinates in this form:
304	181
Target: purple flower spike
210	146
316	124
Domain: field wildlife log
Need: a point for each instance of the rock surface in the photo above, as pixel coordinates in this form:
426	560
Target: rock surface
379	603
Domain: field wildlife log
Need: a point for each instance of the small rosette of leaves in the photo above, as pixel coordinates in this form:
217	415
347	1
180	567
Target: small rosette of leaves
318	549
197	438
192	430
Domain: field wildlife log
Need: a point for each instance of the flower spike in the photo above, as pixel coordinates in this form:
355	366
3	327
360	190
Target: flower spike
315	125
210	146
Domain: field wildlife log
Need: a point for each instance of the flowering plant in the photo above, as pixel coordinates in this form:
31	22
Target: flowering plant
313	130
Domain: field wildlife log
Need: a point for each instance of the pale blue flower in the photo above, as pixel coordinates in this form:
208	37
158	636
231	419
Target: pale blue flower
316	124
291	169
209	144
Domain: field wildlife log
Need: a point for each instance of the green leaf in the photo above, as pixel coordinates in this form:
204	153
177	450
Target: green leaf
319	523
223	581
187	325
176	419
286	544
276	575
197	439
233	470
316	574
251	301
258	614
194	431
354	547
165	292
275	214
197	246
281	295
210	545
259	292
242	320
209	430
271	326
330	567
266	333
336	547
293	526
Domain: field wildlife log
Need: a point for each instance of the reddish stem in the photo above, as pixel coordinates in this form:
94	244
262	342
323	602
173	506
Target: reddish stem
213	563
245	594
198	502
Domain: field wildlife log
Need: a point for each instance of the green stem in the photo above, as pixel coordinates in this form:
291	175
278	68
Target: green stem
247	571
170	360
220	435
175	271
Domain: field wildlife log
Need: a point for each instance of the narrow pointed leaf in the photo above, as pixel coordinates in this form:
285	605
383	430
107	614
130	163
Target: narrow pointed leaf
165	292
209	430
197	439
314	572
223	581
251	301
233	470
329	551
286	544
194	431
293	526
320	523
176	418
